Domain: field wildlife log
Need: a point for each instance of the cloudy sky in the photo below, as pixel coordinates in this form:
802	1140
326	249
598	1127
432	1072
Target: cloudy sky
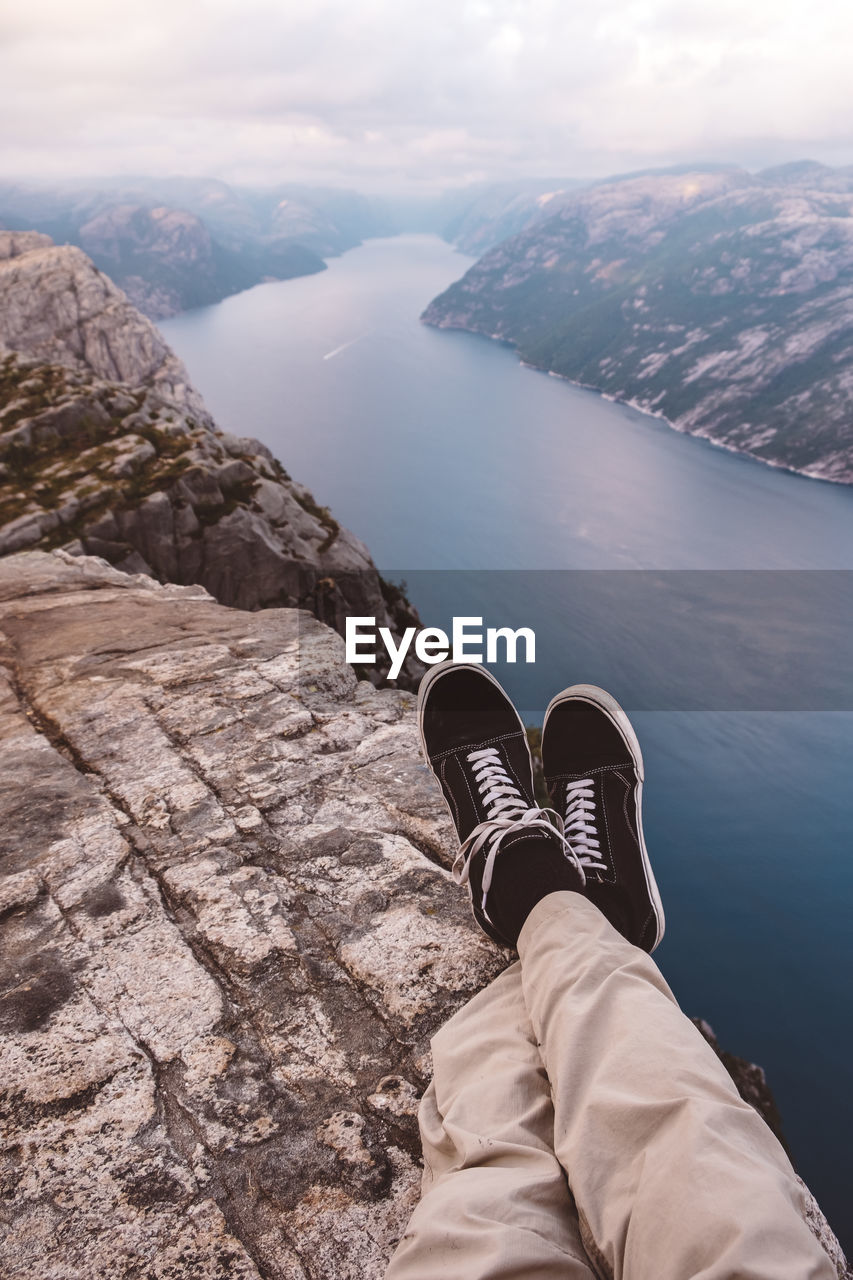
408	94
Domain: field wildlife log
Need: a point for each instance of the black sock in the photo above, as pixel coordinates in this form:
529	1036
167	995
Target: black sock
526	871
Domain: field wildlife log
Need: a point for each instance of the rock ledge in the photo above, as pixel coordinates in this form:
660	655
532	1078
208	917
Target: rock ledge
227	933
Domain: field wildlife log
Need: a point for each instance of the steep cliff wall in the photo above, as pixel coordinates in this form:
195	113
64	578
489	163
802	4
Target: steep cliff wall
107	449
59	309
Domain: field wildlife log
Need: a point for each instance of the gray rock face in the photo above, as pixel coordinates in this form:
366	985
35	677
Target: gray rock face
135	471
59	309
14	243
134	477
226	936
227	932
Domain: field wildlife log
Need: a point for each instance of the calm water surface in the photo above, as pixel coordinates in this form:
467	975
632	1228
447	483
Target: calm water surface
442	452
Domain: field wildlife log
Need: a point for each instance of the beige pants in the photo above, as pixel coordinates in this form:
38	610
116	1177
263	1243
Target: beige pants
579	1125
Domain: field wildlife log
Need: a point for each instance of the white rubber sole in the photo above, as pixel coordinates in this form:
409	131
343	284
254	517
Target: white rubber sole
607	703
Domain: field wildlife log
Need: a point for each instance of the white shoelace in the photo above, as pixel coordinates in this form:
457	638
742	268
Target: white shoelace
579	825
507	813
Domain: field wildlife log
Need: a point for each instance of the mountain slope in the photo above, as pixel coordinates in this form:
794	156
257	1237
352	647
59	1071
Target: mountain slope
500	210
166	260
719	300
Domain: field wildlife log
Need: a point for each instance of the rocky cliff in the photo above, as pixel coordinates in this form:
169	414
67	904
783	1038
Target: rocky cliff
719	300
227	932
59	309
106	448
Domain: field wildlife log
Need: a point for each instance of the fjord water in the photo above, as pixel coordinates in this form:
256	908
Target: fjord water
443	453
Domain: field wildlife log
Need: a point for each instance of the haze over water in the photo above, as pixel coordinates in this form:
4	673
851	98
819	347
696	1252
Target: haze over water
442	452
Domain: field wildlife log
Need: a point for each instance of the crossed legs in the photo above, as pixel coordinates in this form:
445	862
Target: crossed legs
579	1125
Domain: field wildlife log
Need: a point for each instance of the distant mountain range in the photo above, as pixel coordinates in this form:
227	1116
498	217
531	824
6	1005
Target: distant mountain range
172	244
718	299
480	217
176	243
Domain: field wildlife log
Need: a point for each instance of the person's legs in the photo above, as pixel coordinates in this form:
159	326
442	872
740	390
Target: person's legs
495	1204
672	1173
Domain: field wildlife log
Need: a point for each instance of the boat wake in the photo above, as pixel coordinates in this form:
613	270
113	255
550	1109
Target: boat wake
337	351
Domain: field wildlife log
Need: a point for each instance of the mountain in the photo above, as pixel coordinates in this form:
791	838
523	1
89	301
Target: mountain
809	174
166	260
177	243
106	449
720	300
325	220
492	213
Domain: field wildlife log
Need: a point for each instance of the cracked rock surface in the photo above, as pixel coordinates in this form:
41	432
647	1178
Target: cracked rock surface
227	933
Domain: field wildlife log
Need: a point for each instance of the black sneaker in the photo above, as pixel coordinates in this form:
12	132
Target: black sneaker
594	772
476	745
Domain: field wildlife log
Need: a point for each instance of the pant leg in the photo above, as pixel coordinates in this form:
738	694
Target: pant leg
495	1203
674	1176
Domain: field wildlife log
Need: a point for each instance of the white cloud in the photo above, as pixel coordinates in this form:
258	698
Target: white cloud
396	92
